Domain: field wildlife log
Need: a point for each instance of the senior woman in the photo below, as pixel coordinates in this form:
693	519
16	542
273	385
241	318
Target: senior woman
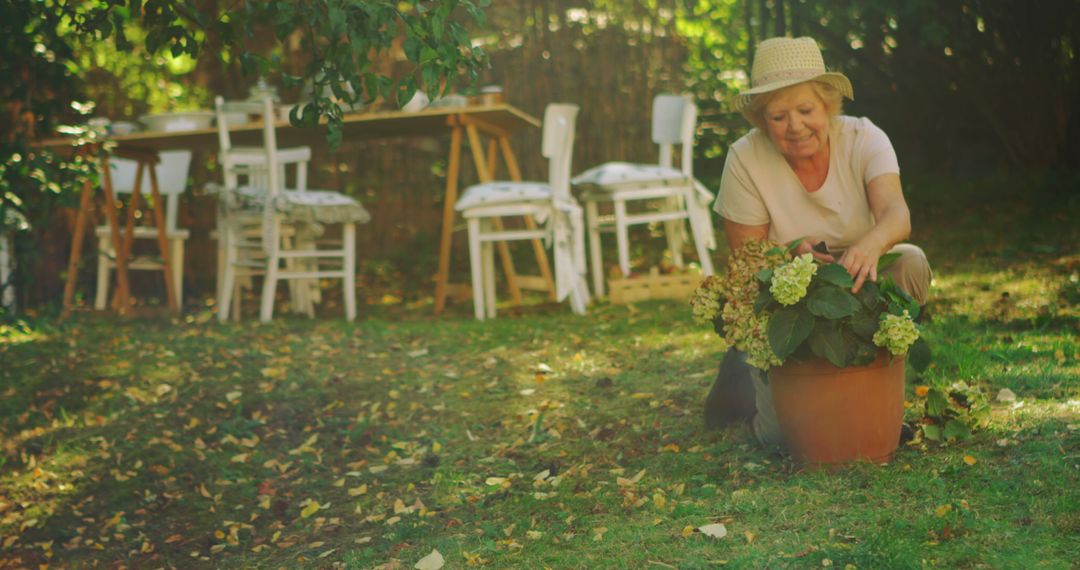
806	171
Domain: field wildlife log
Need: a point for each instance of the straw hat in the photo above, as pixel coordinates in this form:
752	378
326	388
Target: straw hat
783	62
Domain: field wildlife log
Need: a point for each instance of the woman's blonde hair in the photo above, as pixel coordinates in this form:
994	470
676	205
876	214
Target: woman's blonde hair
831	96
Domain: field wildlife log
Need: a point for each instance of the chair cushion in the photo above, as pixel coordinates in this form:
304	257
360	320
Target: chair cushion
492	193
624	174
314	206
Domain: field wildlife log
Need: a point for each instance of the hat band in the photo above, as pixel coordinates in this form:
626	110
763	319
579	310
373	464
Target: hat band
786	74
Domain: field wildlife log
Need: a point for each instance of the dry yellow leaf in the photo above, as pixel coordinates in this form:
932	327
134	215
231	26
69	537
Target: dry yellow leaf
687	531
311	508
356	491
970	460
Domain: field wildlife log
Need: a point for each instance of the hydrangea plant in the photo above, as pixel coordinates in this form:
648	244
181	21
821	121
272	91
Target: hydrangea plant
776	307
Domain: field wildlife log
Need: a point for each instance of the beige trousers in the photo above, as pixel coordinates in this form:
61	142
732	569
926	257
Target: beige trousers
911	272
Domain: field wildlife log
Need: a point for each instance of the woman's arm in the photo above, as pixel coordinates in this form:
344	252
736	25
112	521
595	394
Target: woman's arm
892	224
738	234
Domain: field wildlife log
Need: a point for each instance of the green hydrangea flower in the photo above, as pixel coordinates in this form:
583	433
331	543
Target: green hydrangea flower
896	333
705	302
790	281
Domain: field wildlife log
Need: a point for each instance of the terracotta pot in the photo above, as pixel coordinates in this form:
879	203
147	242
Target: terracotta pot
833	415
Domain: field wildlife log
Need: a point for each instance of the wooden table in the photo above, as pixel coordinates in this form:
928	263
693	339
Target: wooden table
122	247
493	122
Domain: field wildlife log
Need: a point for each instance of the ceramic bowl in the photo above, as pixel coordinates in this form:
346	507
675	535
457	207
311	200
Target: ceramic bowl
183	121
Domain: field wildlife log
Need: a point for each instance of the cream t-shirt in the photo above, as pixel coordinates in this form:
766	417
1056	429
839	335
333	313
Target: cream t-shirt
759	187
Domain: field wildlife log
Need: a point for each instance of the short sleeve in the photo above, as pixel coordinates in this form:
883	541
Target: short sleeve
876	155
738	199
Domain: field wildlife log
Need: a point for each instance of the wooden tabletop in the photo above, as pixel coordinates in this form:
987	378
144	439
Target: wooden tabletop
356	126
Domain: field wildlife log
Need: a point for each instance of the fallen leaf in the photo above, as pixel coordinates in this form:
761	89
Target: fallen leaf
631	481
716	530
970	460
433	561
922	391
687	531
311	508
1006	395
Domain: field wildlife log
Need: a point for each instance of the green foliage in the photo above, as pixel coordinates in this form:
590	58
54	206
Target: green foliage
829	321
952	413
46	47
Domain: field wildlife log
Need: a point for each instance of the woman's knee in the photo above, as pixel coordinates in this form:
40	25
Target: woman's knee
911	271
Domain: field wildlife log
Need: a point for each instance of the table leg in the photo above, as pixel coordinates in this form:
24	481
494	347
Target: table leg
163	240
538	247
447	234
122	284
76	247
485	169
129	228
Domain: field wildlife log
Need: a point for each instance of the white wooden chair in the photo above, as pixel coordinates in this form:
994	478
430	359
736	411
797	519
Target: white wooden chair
265	226
560	219
679	194
172	175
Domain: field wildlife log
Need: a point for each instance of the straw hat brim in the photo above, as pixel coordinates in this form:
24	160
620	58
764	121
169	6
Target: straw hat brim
837	80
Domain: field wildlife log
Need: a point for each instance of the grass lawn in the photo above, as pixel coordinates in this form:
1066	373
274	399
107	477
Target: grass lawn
540	439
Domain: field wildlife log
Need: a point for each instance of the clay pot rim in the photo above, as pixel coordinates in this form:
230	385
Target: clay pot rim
821	367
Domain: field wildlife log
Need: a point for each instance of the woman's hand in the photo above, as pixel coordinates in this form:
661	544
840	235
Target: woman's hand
807	246
861	262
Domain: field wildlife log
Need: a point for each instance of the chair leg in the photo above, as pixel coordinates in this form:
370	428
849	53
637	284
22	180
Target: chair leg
701	244
178	270
673	229
592	216
477	268
228	293
622	237
104	266
219	279
488	252
349	246
266	308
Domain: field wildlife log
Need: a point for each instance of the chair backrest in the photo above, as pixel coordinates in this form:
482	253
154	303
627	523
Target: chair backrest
172	175
558	146
270	177
673	122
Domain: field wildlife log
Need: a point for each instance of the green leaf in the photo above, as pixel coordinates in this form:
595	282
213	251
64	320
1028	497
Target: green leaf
955	429
788	328
333	133
936	403
763	300
412	48
836	274
869	295
864	324
791	246
932	432
765	275
832	303
827	342
886	260
919	354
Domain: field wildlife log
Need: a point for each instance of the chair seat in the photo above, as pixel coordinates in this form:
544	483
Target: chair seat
143	232
257	154
624	175
502	192
312	206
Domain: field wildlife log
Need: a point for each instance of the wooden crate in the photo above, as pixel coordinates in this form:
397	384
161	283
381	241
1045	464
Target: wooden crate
653	286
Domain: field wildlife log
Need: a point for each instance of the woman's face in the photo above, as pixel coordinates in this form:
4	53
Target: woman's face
798	122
